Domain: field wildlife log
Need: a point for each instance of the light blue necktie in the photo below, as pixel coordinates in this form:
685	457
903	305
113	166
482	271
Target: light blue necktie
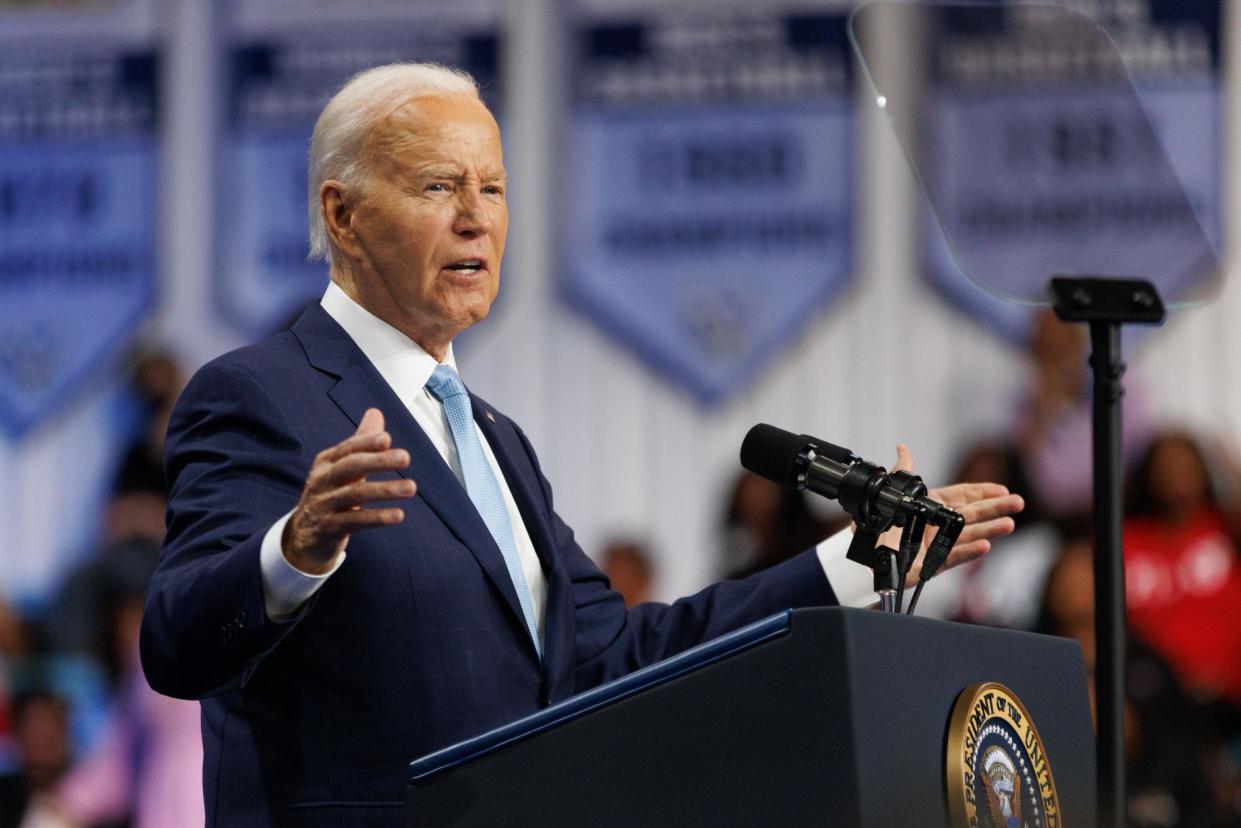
481	483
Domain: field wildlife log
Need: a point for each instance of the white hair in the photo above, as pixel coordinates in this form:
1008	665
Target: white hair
338	145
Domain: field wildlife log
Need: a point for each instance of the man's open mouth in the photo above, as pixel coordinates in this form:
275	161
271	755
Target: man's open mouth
467	266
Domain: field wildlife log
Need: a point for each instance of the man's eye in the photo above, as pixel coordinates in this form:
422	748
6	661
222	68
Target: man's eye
493	189
437	187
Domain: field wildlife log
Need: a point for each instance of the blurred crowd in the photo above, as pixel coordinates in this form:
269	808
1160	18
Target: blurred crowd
85	742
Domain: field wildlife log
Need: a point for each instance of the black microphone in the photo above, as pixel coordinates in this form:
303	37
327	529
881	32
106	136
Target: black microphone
800	461
866	491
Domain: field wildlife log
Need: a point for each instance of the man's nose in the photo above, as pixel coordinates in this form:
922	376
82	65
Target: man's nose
473	219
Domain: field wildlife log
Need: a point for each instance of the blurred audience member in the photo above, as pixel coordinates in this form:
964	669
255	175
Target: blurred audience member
135	515
1183	576
41	747
31	665
1052	426
155	382
157	378
146	769
1167	785
766	524
628	566
15	645
139	498
140	493
84	620
133	522
1005	587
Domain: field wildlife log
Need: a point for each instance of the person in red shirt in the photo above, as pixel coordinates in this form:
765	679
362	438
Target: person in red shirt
1182	570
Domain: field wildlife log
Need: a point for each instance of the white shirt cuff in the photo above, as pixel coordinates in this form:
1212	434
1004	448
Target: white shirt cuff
285	587
853	583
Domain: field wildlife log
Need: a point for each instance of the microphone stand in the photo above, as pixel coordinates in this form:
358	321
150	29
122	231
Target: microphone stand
883	560
891	566
914	523
1105	305
887	578
911	543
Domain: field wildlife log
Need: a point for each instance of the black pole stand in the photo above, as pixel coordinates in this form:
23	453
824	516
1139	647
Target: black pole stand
1106	304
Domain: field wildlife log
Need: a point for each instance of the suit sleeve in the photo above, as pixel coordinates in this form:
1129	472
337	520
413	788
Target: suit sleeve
612	641
234	468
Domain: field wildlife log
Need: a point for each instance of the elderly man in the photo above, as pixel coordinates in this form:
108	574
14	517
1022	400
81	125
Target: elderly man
335	619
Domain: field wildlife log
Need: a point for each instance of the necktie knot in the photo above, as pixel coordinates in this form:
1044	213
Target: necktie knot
444	383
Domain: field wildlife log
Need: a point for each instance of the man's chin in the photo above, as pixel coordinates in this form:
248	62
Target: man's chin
469	317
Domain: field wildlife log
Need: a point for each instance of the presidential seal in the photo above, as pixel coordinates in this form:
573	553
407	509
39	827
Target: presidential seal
998	772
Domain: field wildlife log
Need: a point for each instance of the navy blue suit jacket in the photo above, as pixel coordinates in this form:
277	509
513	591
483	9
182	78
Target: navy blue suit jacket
417	640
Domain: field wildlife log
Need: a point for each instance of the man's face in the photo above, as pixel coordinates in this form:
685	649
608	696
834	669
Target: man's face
431	220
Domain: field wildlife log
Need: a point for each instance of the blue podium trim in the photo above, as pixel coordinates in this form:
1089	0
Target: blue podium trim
601	696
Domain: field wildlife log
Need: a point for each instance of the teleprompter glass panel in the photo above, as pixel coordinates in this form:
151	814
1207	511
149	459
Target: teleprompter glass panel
1034	150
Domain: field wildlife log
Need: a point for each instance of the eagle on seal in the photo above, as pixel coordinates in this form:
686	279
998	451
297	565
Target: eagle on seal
1003	788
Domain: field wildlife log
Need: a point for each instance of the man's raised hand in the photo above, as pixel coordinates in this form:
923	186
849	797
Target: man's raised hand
333	501
987	508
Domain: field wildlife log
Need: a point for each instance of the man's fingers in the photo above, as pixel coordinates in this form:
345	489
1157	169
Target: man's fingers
353	520
372	422
358	465
904	460
364	491
370	436
331	505
371	441
986	529
959	494
322	527
987	509
965	552
990	508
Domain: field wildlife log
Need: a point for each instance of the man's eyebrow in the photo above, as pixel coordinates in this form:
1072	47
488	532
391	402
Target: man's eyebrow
454	172
440	171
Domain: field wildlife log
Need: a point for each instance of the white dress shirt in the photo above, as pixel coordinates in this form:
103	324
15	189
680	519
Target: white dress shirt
406	367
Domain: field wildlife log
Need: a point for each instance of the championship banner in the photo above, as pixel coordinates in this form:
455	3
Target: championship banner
284	60
707	205
1026	154
78	117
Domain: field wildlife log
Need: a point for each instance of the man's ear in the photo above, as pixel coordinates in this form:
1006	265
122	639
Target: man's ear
337	205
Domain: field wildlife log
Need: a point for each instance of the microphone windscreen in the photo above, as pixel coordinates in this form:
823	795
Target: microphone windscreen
772	453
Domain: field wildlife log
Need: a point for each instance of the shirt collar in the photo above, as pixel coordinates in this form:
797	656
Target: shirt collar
400	360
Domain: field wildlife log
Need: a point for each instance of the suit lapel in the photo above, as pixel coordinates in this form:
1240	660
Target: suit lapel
523	483
361	387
